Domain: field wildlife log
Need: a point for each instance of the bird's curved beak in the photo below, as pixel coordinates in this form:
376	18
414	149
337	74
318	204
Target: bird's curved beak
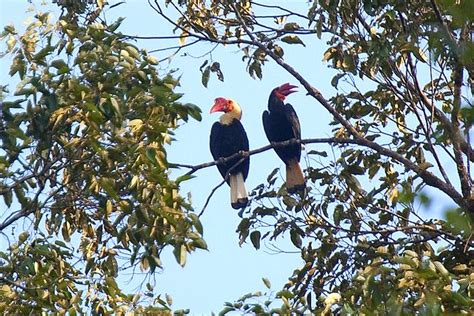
287	89
220	105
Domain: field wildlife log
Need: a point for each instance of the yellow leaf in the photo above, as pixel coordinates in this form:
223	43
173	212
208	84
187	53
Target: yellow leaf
124	53
11	42
460	268
133	51
109	207
133	182
152	60
420	301
280	19
440	267
393	197
115	105
100	3
401	124
292	39
330	300
411	253
182	38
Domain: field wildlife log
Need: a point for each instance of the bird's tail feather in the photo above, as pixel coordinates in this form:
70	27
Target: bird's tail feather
294	177
238	193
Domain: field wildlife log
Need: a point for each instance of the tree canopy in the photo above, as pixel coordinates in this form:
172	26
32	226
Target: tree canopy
84	162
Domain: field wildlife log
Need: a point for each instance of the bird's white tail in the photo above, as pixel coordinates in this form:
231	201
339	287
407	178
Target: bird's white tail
238	193
294	177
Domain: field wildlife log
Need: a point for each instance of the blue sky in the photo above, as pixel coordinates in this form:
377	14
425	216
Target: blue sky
227	270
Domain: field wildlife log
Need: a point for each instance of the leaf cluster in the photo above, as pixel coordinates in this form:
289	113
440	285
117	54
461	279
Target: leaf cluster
84	160
403	74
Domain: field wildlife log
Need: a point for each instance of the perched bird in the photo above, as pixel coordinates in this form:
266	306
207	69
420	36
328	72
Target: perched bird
228	137
281	123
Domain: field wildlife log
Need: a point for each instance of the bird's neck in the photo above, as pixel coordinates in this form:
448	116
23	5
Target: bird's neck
274	102
227	118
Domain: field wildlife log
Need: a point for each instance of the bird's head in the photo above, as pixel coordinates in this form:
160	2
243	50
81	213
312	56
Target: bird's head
223	105
230	108
284	90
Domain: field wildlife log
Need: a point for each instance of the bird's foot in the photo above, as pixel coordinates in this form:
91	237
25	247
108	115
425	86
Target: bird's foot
243	153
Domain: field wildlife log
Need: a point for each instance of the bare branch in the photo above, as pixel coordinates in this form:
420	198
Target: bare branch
209	197
461	168
465	147
227	175
242	154
280	8
428	177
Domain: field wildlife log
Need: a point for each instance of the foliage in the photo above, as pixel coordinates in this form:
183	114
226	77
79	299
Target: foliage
402	114
83	159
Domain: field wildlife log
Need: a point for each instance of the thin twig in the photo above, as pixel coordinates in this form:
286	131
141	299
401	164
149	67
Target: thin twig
428	177
227	175
209	197
330	140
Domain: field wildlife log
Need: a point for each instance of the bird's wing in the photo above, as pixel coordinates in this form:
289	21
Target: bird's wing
268	126
292	117
226	141
215	140
241	143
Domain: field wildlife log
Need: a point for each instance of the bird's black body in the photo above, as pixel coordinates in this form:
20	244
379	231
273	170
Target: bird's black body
281	123
226	140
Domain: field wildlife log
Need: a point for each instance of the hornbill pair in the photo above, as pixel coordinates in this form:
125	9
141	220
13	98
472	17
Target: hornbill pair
228	137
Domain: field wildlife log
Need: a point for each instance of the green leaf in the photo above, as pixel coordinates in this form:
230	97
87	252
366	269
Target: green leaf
336	78
272	175
296	238
216	68
108	185
114	26
200	243
267	283
7	197
197	223
205	76
338	214
194	111
285	293
180	254
184	177
115	106
292	39
59	63
255	69
291	26
459	222
255	239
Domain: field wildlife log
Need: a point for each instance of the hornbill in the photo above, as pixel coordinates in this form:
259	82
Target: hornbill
281	123
227	138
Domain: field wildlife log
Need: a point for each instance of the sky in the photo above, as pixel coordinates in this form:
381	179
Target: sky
227	270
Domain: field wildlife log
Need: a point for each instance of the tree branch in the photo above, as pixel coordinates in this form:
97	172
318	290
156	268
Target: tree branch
427	176
465	147
227	175
243	154
461	168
